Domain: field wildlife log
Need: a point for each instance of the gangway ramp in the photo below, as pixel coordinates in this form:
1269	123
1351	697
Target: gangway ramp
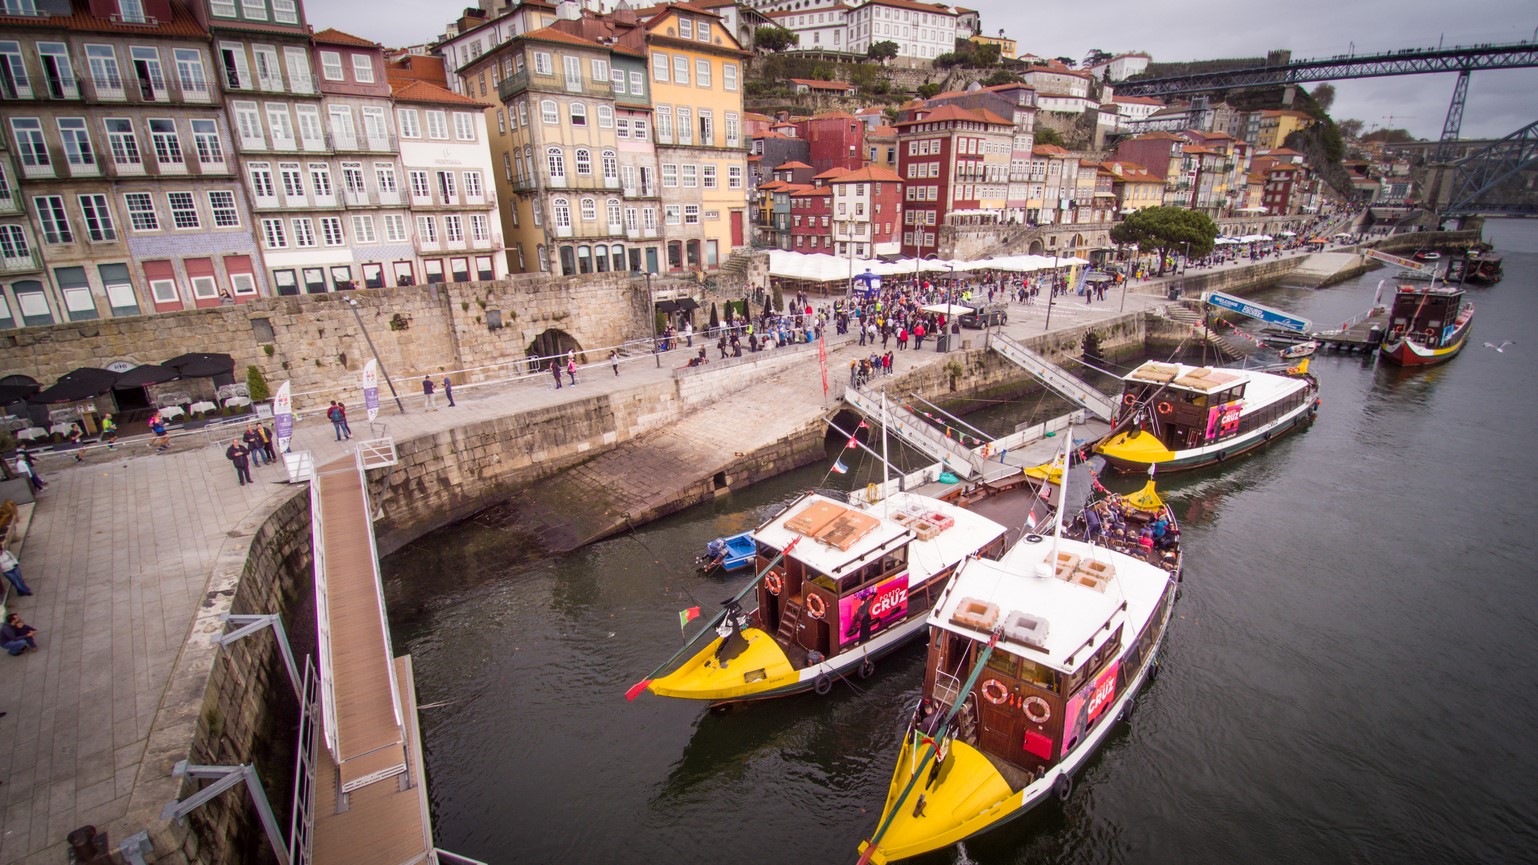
1055	377
370	803
913	430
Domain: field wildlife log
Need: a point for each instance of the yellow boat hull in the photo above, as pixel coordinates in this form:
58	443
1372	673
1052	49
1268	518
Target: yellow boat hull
967	796
1142	449
759	670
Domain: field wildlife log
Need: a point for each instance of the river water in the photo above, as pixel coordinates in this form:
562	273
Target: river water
1350	677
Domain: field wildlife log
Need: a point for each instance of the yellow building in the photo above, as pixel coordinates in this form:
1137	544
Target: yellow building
1135	188
1275	126
1007	47
697	77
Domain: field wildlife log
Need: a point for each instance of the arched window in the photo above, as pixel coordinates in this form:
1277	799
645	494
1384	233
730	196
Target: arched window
584	160
589	210
556	160
618	254
612	208
548	111
568	261
605	116
610	167
562	210
578	114
584	260
544	263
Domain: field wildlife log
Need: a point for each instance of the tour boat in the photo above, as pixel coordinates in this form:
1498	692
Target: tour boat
1427	255
1033	659
1478	268
732	553
837	587
1426	325
1174	417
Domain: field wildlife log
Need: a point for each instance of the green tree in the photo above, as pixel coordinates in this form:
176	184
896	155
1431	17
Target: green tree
883	51
1167	230
927	90
1324	96
1350	128
1001	76
1048	135
1390	136
771	38
256	385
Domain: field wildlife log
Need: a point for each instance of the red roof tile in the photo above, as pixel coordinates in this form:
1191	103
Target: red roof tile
550	34
333	36
792	165
421	91
868	174
832	173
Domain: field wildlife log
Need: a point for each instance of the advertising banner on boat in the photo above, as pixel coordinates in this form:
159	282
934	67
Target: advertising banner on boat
867	612
1224	419
1088	704
283	417
371	389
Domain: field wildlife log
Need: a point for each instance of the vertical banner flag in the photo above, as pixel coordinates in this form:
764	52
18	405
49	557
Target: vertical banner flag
283	417
822	361
371	389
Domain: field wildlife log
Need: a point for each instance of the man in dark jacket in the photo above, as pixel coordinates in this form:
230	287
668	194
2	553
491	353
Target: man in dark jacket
241	457
17	636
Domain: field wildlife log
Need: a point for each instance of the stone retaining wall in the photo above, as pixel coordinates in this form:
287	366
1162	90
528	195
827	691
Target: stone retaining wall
315	341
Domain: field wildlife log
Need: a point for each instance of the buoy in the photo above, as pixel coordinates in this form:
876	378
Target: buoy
822	684
1062	788
867	669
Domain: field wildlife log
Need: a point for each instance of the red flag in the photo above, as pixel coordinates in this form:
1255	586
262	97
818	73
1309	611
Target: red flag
863	425
687	616
853	443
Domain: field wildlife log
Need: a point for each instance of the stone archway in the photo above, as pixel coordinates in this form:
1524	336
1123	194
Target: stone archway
1036	247
552	342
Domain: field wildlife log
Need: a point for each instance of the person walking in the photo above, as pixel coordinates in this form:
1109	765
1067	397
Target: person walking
555	372
448	390
24	466
614	358
430	399
266	433
241	457
346	427
109	432
689	334
17	636
11	567
162	437
571	368
334	414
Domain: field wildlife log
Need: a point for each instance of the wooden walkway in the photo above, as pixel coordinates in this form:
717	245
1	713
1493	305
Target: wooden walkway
370	796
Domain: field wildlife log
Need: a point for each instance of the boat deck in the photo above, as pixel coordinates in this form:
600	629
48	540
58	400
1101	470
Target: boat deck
1357	337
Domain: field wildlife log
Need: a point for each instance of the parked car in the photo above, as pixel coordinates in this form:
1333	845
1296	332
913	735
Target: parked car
985	316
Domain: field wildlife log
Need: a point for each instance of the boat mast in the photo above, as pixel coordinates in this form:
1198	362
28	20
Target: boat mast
1062	493
886	467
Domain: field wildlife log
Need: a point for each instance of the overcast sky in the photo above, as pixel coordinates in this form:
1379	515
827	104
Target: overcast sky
1499	102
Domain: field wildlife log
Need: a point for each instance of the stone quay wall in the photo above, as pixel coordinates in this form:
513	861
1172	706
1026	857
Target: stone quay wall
315	342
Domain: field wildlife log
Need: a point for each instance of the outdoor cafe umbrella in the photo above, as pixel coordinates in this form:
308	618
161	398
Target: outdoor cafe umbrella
78	384
203	365
715	318
146	374
15	388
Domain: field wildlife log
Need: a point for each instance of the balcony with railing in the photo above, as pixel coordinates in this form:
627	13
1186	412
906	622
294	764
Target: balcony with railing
194	90
10	202
106	88
390	197
19	261
37	171
85	166
171	167
357	198
367	144
428	245
61	86
15	86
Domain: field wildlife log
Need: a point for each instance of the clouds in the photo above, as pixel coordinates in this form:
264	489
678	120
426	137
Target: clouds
1499	102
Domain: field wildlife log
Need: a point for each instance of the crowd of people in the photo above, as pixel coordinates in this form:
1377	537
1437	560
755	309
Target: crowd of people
1113	523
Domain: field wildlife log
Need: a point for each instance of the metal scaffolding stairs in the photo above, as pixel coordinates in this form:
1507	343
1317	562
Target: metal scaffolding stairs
916	432
1055	377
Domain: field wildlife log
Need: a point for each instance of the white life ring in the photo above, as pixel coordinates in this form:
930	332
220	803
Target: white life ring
1036	709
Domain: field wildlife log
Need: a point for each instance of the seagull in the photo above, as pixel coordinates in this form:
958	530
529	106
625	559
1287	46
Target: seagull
1500	348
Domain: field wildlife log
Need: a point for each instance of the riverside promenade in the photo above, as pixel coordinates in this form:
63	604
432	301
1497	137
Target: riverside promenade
121	549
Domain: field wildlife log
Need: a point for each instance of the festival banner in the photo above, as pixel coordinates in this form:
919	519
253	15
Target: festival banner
872	609
371	389
283	417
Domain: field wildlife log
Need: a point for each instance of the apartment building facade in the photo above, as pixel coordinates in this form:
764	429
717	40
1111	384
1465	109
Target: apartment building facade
952	161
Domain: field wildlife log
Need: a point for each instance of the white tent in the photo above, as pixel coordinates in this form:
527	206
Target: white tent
828	268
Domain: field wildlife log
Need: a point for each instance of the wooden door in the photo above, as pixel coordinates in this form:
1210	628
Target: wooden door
736	228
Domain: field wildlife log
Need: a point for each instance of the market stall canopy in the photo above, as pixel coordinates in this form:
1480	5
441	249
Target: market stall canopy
148	373
202	364
668	306
76	385
14	388
827	268
948	308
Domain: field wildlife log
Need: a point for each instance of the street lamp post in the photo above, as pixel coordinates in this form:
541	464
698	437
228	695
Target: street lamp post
1051	292
1186	262
651	313
375	352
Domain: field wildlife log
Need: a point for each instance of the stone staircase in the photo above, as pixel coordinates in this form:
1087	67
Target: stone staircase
1229	348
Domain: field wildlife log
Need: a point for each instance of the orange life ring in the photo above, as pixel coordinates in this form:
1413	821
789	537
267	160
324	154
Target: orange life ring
995	691
816	607
1037	709
774	582
1128	399
1165	407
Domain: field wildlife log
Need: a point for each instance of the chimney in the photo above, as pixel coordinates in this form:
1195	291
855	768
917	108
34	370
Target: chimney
568	10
